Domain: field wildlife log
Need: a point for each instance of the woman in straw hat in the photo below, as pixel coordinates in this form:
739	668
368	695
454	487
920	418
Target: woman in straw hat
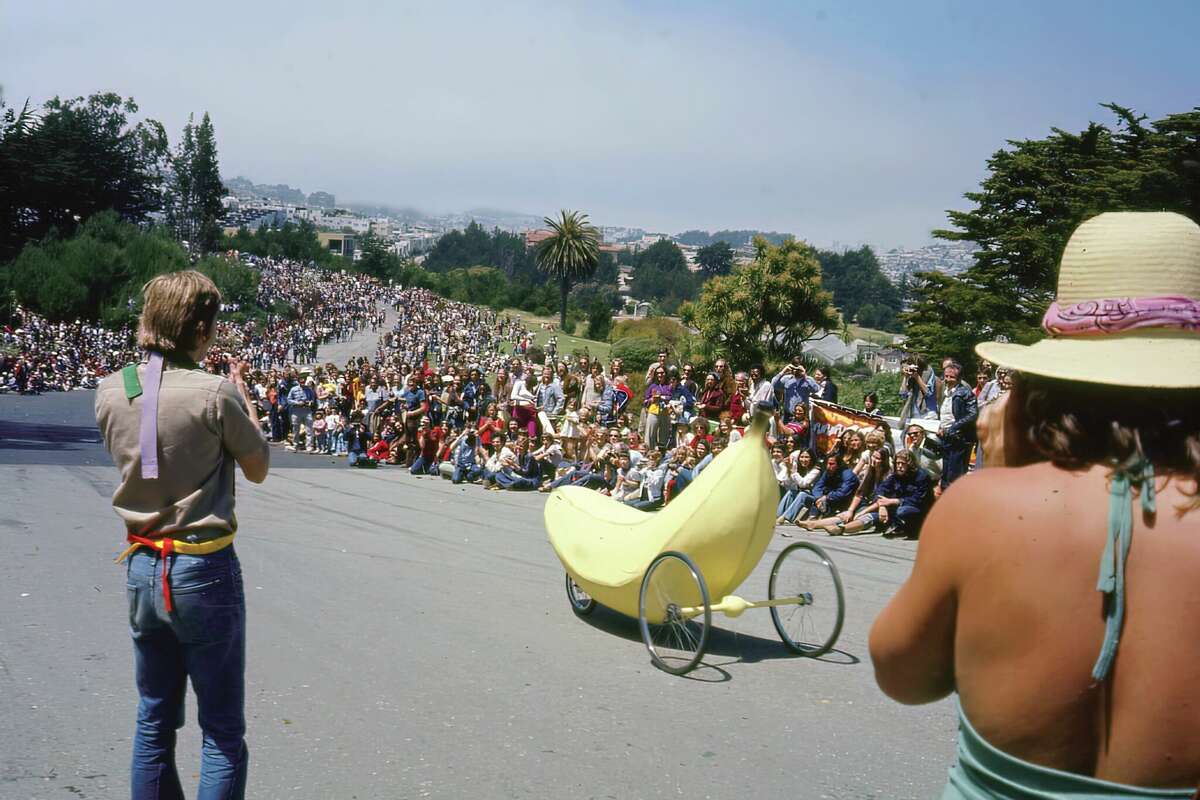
1068	685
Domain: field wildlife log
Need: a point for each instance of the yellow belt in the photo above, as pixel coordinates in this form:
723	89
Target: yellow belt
176	546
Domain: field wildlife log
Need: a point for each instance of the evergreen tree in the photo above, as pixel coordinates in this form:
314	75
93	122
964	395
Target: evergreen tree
715	259
180	200
376	259
72	159
660	274
1036	193
194	201
207	189
860	289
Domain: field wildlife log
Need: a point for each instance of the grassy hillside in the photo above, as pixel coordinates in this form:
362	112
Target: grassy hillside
566	344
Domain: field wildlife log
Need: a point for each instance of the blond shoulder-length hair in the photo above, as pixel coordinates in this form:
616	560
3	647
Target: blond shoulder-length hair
175	304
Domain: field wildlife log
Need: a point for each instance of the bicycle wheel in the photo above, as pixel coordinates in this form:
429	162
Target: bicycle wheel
674	613
810	627
582	603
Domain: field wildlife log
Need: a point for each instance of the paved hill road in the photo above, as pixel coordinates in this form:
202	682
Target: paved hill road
409	638
362	343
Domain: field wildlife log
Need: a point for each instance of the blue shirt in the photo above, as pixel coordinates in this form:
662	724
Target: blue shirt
606	407
837	488
796	391
683	393
917	490
464	453
299	394
412	399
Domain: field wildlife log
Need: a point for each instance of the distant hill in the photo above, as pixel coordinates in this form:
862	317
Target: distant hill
405	214
732	238
242	186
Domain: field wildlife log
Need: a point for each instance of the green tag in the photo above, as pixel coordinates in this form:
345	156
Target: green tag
133	386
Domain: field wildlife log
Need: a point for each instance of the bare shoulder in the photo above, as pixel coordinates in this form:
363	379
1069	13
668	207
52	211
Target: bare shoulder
990	506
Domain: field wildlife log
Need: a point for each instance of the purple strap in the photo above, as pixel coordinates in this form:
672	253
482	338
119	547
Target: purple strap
148	438
1098	317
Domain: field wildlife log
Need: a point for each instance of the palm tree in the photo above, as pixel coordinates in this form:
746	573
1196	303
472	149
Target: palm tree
569	254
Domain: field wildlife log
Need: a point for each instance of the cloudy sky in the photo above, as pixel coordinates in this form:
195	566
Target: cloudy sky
838	125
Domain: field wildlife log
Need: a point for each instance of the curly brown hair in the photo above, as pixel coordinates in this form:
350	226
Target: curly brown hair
1075	425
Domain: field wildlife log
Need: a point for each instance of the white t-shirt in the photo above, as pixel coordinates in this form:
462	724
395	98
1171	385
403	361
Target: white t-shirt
946	413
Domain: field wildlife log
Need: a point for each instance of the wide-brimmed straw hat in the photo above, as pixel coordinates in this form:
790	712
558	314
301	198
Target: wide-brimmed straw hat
1128	306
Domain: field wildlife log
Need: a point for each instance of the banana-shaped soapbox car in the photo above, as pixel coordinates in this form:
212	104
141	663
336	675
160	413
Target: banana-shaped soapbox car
664	567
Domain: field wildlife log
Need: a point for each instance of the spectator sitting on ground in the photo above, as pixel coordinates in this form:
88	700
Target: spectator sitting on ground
831	493
467	456
379	449
803	473
862	513
905	497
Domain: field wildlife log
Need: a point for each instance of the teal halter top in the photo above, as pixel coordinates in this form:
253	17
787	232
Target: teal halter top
1139	473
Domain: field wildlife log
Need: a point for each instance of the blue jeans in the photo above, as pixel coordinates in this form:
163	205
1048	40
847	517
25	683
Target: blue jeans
801	501
646	505
683	477
515	482
954	462
203	639
908	518
423	467
470	474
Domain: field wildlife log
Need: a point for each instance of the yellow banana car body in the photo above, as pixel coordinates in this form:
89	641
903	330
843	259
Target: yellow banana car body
723	522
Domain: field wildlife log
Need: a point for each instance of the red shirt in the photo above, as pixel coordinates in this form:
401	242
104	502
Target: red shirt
713	402
429	443
738	406
488	428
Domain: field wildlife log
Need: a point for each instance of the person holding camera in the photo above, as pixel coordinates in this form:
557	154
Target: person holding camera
797	386
918	389
467	456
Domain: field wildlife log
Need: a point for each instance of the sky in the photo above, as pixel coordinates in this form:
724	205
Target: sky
842	123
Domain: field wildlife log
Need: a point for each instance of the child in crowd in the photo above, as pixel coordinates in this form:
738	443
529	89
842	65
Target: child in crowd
320	433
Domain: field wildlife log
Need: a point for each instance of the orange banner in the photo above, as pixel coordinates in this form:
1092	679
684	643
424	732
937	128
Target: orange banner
829	421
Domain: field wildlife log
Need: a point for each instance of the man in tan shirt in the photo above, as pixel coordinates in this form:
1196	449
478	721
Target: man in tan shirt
175	432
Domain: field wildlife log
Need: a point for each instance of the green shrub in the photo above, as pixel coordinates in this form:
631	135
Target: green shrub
599	322
886	385
637	352
668	330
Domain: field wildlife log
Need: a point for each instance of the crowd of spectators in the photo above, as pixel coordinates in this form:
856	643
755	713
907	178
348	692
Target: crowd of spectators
37	355
309	307
451	393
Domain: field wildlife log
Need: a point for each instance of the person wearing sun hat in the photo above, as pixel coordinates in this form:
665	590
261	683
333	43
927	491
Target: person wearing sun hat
1071	683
